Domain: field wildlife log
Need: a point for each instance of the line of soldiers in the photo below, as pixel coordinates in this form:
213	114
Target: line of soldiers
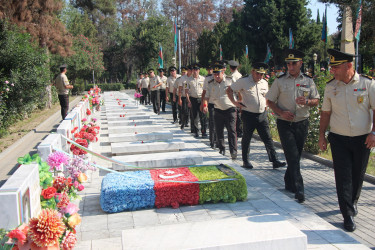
348	100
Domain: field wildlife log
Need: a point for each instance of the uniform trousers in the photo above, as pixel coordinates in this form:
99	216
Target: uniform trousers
162	99
64	103
155	99
239	129
198	114
350	157
185	111
293	136
145	96
211	125
226	118
258	121
174	107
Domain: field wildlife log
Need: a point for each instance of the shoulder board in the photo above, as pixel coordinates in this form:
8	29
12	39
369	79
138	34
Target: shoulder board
281	75
211	80
229	77
178	77
307	75
330	80
366	76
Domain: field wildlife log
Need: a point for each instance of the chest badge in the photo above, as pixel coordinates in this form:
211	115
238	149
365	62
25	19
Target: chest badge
360	99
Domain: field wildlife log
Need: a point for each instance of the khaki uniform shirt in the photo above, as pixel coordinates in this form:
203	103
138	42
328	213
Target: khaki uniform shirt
183	82
207	81
145	82
139	83
153	82
236	75
217	93
350	105
62	81
164	82
253	93
286	89
195	86
171	82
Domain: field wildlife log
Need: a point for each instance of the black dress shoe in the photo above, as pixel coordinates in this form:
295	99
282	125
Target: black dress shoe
278	164
174	122
234	156
300	197
355	209
247	164
349	223
196	135
222	151
239	135
187	125
204	135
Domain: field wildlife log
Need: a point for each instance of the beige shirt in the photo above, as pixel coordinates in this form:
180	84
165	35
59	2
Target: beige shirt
153	82
253	93
145	82
195	86
139	83
350	105
236	75
62	81
207	81
164	82
183	83
171	83
216	92
286	89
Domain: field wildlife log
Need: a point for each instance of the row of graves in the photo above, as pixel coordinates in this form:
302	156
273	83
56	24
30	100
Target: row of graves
139	166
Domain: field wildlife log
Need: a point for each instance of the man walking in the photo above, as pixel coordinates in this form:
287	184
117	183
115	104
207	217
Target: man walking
154	87
170	90
145	92
163	86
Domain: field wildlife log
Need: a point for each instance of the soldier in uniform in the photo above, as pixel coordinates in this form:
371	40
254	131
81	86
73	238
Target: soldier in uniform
139	86
225	110
290	97
176	93
253	89
211	124
193	94
170	90
233	66
145	92
182	84
163	86
347	104
155	83
63	86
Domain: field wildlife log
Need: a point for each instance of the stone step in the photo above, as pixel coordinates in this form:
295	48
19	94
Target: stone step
123	112
270	231
131	123
146	147
115	106
128	117
159	160
134	129
126	137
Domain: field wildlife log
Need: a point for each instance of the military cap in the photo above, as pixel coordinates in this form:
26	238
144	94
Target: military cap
196	66
189	67
260	67
171	68
217	67
183	69
150	70
233	63
63	66
161	69
293	55
209	66
338	57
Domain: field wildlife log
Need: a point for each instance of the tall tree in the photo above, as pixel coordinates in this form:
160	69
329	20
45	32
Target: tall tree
318	17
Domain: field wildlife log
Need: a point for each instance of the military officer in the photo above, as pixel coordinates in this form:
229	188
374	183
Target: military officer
233	66
225	110
170	90
182	84
163	86
139	84
193	94
145	92
211	124
290	97
176	92
154	86
348	101
253	89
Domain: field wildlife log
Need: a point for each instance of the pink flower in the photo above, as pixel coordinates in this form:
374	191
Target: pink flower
84	119
69	240
12	84
70	209
56	159
7	89
80	187
6	82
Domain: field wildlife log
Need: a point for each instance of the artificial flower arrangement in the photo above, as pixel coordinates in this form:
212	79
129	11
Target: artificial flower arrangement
94	98
171	188
88	133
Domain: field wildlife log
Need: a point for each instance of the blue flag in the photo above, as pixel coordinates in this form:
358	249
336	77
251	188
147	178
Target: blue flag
291	39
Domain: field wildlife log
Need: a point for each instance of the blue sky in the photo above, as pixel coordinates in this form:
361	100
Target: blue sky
332	13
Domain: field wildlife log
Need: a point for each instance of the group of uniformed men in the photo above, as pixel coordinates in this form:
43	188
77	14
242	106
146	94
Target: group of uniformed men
347	103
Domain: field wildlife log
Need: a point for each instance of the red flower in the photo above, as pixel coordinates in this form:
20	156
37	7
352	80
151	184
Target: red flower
297	84
88	112
48	193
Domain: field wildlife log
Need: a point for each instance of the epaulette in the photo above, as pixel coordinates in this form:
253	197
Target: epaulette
281	75
211	80
178	77
330	80
367	76
229	77
307	75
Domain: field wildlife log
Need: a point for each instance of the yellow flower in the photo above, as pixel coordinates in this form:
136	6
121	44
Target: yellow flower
74	220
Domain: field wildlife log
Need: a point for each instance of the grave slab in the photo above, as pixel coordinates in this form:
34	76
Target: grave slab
46	146
127	137
134	129
127	112
159	160
65	129
256	232
147	147
115	106
128	117
130	123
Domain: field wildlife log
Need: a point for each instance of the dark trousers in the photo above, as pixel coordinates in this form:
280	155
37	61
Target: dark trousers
198	114
185	111
292	137
211	125
155	99
258	121
350	157
239	123
162	99
174	107
146	96
226	118
64	103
